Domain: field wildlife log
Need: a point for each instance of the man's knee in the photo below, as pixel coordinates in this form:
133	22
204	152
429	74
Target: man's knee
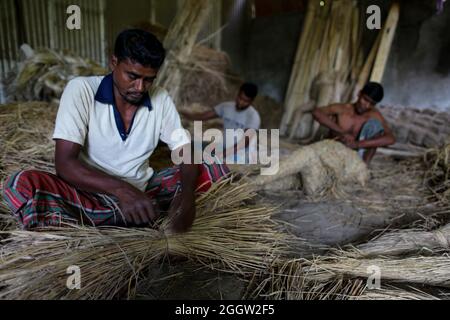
19	187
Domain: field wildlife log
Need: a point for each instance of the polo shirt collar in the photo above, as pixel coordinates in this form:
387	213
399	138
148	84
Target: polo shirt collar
105	93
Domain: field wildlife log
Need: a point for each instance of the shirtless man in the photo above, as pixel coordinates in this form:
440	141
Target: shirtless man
360	126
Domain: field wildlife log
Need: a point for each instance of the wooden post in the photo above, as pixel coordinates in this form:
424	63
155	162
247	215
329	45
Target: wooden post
386	43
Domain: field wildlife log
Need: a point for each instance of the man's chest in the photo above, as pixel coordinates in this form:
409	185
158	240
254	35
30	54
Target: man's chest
234	120
105	131
351	122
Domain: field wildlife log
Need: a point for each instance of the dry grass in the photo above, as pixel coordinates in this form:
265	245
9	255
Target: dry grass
342	277
26	136
291	280
437	161
393	293
403	242
229	234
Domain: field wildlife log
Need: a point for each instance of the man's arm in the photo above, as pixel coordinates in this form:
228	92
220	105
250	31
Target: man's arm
243	143
323	116
136	207
182	209
204	116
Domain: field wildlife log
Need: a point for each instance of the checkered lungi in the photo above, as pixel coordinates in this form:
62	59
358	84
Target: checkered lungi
40	199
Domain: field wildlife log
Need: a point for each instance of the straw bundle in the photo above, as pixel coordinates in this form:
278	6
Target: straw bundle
44	74
321	165
344	278
205	77
393	293
406	242
289	281
438	175
431	271
229	233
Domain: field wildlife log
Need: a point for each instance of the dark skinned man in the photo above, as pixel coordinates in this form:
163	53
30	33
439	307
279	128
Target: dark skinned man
106	129
360	126
238	114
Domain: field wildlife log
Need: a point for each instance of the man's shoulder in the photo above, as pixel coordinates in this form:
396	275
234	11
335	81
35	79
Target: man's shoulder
85	83
376	114
158	94
345	107
253	110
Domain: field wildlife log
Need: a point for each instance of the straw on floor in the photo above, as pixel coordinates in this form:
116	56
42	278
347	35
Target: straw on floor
229	234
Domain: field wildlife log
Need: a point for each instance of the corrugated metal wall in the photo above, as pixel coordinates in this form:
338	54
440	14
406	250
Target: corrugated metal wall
42	23
9	36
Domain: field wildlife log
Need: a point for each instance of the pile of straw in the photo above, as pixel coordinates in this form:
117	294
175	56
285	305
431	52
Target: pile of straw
44	74
26	136
205	77
229	234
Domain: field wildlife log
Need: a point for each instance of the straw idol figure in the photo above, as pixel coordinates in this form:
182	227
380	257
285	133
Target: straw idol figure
360	126
106	129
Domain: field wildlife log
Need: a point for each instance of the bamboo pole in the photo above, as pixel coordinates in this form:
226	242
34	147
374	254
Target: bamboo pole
386	43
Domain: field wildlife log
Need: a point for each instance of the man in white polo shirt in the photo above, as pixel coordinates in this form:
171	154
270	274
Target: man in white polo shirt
238	114
106	129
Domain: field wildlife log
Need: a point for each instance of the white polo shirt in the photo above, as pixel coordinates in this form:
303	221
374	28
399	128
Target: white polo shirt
87	116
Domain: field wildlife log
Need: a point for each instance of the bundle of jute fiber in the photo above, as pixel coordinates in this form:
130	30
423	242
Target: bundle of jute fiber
26	136
402	242
423	270
44	73
205	77
437	161
321	165
393	293
287	280
230	233
342	278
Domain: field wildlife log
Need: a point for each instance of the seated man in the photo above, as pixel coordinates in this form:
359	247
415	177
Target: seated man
238	114
360	126
106	129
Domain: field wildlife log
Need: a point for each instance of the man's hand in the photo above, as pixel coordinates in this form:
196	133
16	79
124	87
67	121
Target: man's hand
349	141
136	207
182	209
182	213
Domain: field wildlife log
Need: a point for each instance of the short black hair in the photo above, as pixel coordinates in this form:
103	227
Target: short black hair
250	90
374	91
140	47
